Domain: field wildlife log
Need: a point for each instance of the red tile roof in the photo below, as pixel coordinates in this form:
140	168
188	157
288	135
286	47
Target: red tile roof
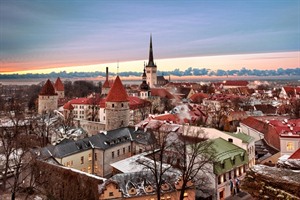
107	84
117	93
295	155
292	91
59	86
161	92
48	89
256	124
236	83
135	103
68	106
198	97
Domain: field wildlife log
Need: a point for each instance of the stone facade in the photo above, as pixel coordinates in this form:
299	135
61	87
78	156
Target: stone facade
47	103
117	115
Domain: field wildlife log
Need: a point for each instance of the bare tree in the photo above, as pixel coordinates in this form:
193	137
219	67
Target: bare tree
157	156
17	140
195	156
178	152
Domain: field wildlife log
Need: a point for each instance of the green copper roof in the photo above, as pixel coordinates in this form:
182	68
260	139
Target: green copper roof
228	156
244	137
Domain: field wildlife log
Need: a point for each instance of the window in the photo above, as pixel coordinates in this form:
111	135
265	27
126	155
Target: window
111	194
290	146
112	154
233	161
113	105
95	156
124	150
82	160
118	152
128	148
122	105
90	156
223	165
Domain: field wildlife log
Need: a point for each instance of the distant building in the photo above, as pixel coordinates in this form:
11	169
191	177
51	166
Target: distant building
106	85
151	68
59	88
117	110
48	98
145	91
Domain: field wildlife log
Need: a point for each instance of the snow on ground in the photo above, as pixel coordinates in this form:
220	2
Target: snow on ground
278	173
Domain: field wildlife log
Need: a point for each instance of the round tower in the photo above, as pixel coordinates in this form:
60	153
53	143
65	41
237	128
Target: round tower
117	106
48	98
59	88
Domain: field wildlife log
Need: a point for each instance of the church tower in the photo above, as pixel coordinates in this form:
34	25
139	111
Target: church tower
117	106
144	87
151	67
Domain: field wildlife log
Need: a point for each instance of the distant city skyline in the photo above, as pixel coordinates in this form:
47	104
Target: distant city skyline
46	36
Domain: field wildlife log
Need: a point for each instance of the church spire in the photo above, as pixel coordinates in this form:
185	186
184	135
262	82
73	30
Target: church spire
151	60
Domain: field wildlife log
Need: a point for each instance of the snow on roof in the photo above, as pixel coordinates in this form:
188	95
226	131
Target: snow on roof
130	164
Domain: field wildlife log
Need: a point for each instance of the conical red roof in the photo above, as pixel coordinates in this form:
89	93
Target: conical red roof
117	93
59	86
48	89
106	84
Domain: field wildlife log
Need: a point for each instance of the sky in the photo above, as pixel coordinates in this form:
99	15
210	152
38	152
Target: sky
40	36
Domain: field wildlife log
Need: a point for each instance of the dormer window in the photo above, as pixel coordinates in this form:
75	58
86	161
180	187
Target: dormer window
149	189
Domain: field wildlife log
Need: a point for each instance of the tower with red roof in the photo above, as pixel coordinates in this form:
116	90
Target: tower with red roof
59	88
106	85
48	98
117	106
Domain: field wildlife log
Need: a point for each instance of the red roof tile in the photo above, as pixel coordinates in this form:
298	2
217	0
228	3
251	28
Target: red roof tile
48	89
198	97
161	92
295	155
117	93
107	84
135	102
255	124
68	106
236	83
59	86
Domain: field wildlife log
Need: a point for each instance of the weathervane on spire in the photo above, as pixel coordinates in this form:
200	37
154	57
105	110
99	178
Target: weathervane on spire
118	68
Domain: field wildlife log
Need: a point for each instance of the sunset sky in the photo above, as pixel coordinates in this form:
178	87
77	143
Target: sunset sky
85	35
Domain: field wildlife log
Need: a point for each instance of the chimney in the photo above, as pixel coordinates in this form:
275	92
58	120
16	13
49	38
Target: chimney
106	73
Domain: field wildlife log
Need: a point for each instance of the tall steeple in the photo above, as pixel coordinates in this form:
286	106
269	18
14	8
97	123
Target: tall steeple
151	59
151	68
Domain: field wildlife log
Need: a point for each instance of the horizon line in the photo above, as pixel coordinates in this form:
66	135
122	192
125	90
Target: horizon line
166	61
